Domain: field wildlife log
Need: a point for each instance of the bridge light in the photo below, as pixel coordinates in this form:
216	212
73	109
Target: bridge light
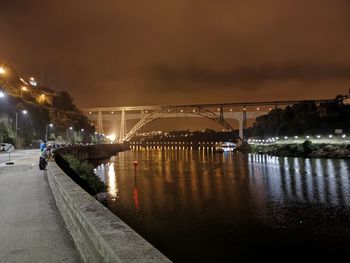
330	136
194	110
112	112
285	137
270	109
230	109
71	128
295	137
257	108
218	109
111	137
343	136
307	137
90	112
244	108
318	136
146	111
182	110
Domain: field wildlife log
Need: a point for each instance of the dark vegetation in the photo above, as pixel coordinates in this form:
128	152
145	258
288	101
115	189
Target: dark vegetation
304	118
306	149
82	172
59	110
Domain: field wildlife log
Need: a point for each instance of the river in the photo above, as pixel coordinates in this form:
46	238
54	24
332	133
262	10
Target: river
201	206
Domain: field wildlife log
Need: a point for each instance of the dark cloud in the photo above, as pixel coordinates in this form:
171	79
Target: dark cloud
185	51
198	75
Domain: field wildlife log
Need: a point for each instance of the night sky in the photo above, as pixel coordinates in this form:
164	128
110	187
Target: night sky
119	53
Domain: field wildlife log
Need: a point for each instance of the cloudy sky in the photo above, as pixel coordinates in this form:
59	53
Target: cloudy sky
119	53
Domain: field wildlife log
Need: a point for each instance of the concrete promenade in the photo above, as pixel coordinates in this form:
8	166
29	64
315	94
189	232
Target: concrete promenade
31	226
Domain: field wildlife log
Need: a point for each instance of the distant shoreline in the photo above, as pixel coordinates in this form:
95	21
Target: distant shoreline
306	150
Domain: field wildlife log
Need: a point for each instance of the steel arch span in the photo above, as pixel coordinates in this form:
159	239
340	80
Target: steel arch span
178	111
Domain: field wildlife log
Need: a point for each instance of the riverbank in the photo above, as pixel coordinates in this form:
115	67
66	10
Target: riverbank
99	235
306	149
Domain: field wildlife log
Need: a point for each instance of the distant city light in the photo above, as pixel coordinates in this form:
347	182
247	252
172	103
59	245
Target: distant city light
343	136
82	130
330	136
71	128
318	136
51	125
295	137
24	111
307	137
33	82
285	137
23	81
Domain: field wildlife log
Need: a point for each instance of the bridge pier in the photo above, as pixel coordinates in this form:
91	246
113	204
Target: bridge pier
122	132
100	123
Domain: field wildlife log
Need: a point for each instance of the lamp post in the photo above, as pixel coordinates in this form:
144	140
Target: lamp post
82	135
24	112
24	88
69	130
47	130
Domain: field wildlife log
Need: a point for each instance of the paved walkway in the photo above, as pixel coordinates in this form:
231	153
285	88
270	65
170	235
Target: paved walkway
31	227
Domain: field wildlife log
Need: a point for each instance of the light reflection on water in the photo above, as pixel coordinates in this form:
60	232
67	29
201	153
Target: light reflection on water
224	202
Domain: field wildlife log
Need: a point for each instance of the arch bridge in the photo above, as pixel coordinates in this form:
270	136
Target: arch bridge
219	113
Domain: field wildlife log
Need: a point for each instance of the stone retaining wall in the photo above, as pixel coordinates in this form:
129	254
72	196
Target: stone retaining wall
99	235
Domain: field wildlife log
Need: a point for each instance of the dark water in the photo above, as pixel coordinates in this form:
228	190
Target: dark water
197	206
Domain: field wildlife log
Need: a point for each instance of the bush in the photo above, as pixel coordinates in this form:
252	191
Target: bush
85	171
308	147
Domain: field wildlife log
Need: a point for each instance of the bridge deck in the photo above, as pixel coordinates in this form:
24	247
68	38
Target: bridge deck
213	105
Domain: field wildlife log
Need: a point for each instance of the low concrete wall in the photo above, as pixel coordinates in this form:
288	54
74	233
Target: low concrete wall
99	234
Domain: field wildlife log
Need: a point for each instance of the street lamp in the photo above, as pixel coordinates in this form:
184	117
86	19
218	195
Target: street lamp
24	88
24	112
47	130
2	71
2	94
69	131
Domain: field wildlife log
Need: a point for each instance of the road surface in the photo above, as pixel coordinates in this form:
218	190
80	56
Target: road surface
31	227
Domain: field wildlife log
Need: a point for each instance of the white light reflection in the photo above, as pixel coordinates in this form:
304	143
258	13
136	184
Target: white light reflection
112	182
